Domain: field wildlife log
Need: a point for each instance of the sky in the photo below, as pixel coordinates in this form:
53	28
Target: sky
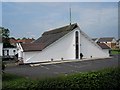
31	19
60	0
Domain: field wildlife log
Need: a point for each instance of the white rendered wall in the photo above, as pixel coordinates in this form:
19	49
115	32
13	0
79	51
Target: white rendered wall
62	48
89	49
1	48
113	41
19	51
65	48
11	51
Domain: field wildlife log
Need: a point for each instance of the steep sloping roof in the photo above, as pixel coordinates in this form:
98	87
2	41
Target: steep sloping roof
103	46
105	39
13	40
32	46
48	38
94	39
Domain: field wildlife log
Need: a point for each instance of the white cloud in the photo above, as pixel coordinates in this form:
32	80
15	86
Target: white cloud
93	21
100	21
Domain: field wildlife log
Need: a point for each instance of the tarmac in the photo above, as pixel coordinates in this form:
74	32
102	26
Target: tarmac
66	61
12	63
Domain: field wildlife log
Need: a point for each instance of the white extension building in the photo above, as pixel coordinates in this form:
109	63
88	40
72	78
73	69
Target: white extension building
9	52
1	49
64	43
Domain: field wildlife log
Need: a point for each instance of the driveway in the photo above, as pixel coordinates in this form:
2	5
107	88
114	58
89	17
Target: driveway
51	70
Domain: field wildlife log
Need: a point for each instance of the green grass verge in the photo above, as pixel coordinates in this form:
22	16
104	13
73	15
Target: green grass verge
114	52
102	79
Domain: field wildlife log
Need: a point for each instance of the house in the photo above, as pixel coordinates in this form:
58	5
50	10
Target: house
13	41
25	40
64	43
9	52
1	48
110	41
104	47
118	43
95	39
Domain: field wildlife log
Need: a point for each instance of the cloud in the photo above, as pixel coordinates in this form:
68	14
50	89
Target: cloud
95	19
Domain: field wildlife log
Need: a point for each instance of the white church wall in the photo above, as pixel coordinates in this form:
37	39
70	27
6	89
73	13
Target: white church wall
62	48
89	49
65	48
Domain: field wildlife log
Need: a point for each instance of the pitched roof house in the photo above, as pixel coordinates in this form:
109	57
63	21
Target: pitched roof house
1	46
64	43
25	40
109	41
103	46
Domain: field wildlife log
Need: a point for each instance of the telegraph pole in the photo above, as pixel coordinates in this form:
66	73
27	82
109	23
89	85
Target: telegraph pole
70	13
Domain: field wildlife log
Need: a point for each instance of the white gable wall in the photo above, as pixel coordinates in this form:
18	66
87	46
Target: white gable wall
65	48
114	41
1	48
89	49
19	51
10	51
62	48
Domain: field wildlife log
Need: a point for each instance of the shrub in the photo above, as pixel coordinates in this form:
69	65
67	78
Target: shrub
103	79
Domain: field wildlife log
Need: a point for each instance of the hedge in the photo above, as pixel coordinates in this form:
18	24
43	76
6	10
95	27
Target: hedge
104	79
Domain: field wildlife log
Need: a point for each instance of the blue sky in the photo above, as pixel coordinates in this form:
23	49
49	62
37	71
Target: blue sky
60	0
31	19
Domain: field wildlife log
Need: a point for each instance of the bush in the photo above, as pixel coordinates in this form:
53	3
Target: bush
103	79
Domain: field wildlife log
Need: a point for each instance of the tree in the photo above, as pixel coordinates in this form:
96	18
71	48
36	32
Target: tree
5	32
18	39
12	38
5	36
24	38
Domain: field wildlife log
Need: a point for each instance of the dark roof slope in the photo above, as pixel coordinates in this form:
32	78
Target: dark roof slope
94	39
103	46
32	46
48	38
105	39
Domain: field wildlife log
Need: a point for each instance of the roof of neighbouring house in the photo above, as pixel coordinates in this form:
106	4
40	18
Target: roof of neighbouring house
105	39
0	39
48	38
94	39
103	46
25	41
12	40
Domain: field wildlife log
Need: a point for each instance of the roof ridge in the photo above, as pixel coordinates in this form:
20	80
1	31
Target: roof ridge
50	37
53	30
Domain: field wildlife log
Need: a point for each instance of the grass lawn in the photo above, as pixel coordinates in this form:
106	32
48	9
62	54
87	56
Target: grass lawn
102	79
114	52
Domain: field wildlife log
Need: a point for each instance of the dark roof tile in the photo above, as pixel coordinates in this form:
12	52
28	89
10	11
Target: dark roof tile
48	38
103	46
105	39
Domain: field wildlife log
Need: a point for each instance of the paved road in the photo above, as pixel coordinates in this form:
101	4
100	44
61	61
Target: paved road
63	68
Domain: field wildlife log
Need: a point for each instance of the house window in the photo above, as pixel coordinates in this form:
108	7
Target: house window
76	45
3	52
7	52
14	52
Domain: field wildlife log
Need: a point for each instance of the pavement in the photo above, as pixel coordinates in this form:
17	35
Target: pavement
50	69
66	61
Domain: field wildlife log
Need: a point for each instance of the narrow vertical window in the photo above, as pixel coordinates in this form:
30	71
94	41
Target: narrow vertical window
77	45
7	52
